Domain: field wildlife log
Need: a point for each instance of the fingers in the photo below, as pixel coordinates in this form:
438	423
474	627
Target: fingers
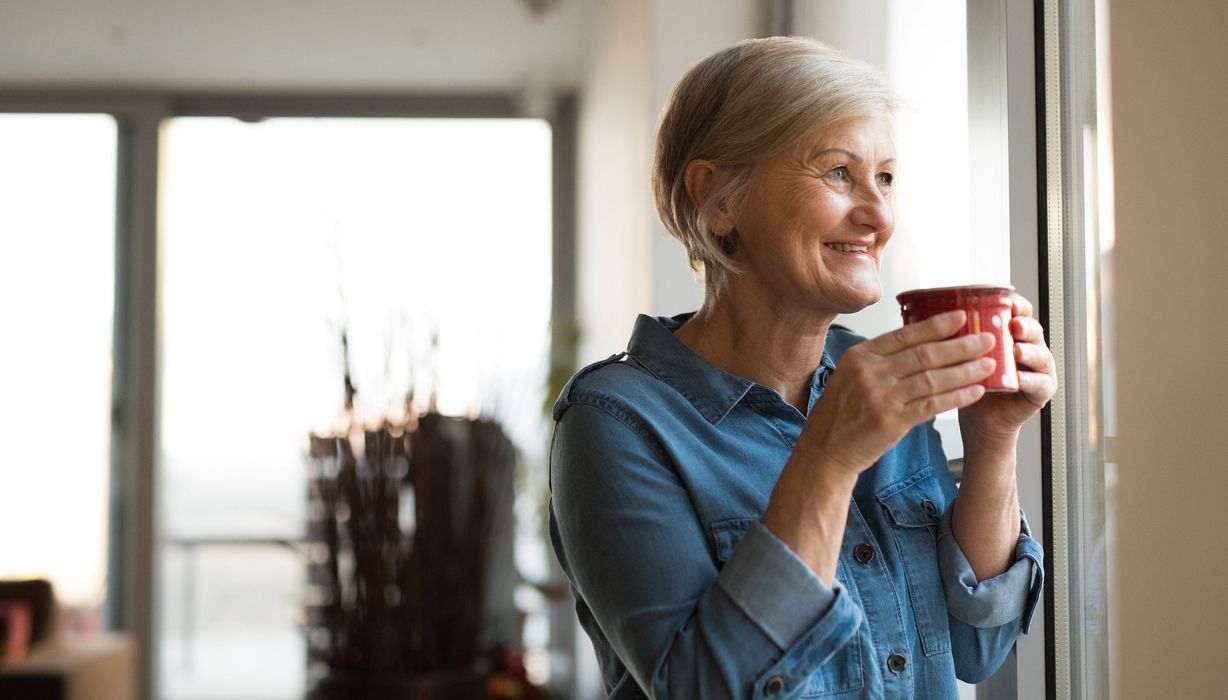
934	328
926	408
942	381
928	356
1034	357
1027	329
1022	307
1037	387
1031	352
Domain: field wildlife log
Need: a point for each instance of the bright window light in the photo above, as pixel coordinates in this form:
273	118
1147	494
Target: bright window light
428	241
57	259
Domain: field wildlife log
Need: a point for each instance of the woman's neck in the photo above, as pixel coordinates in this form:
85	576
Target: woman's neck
770	344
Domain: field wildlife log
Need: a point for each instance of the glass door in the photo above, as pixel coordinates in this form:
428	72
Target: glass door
57	282
414	252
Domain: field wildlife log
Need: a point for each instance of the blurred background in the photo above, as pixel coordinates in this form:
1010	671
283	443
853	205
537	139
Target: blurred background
270	269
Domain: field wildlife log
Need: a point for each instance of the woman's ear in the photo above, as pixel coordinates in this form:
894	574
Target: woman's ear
699	176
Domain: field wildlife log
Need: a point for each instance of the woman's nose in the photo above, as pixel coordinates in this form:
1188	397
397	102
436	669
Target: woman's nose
874	211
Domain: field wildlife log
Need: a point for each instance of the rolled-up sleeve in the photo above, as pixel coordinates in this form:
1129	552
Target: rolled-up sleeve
638	556
1009	596
985	617
777	590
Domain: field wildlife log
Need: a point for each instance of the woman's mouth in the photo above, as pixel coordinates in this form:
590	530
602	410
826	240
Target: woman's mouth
848	248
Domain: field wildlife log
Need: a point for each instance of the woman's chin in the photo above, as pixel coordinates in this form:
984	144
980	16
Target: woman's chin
854	299
831	295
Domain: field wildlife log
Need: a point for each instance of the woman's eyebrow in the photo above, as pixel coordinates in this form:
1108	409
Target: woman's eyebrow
852	156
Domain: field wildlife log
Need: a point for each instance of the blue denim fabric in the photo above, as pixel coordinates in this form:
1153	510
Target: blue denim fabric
661	468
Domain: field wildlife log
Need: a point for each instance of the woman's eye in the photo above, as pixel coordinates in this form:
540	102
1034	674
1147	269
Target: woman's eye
839	174
886	179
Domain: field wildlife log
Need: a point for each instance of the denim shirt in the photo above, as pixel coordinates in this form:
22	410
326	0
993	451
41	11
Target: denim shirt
661	469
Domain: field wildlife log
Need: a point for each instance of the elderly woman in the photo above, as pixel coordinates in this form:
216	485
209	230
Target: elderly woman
752	502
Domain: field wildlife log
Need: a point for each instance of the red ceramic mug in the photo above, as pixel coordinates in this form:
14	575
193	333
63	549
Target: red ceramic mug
989	309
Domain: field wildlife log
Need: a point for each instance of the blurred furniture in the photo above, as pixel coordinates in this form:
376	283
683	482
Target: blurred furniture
15	627
99	668
37	596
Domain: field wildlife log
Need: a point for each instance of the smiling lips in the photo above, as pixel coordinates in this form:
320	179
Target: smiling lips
848	247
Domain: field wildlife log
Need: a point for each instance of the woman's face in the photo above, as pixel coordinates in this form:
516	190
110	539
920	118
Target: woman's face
813	226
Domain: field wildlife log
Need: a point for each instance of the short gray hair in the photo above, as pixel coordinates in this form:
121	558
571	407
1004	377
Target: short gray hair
743	105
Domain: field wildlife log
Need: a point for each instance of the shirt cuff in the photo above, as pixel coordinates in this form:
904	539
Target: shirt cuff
1011	595
774	587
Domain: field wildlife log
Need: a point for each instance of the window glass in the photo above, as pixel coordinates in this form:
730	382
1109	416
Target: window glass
1090	380
428	243
57	260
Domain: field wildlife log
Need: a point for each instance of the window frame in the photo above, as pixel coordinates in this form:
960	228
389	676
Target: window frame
1043	55
1076	478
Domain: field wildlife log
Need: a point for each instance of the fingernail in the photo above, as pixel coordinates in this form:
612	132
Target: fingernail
987	363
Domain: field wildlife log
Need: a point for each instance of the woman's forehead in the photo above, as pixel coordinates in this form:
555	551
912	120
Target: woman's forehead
866	138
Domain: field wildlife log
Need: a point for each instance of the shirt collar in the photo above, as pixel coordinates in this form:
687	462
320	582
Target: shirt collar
713	391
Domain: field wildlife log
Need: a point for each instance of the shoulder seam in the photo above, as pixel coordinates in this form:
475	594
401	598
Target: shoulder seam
622	414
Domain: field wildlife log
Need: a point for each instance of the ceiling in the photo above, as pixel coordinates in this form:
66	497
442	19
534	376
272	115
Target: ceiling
355	45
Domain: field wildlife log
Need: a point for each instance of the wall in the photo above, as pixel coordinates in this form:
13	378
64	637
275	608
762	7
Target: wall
613	244
627	264
683	33
1169	97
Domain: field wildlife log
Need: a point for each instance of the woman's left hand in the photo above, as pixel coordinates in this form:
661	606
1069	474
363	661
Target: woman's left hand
1000	416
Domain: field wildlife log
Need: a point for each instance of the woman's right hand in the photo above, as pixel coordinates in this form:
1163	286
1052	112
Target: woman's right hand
879	391
885	386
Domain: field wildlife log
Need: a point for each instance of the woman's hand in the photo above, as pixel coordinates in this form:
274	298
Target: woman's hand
885	386
1000	416
985	520
881	389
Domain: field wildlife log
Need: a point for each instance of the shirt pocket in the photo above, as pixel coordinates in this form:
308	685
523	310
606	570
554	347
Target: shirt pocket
913	508
842	673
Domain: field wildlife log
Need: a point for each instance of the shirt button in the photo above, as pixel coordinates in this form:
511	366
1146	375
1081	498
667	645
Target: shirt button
930	509
774	686
897	662
863	553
